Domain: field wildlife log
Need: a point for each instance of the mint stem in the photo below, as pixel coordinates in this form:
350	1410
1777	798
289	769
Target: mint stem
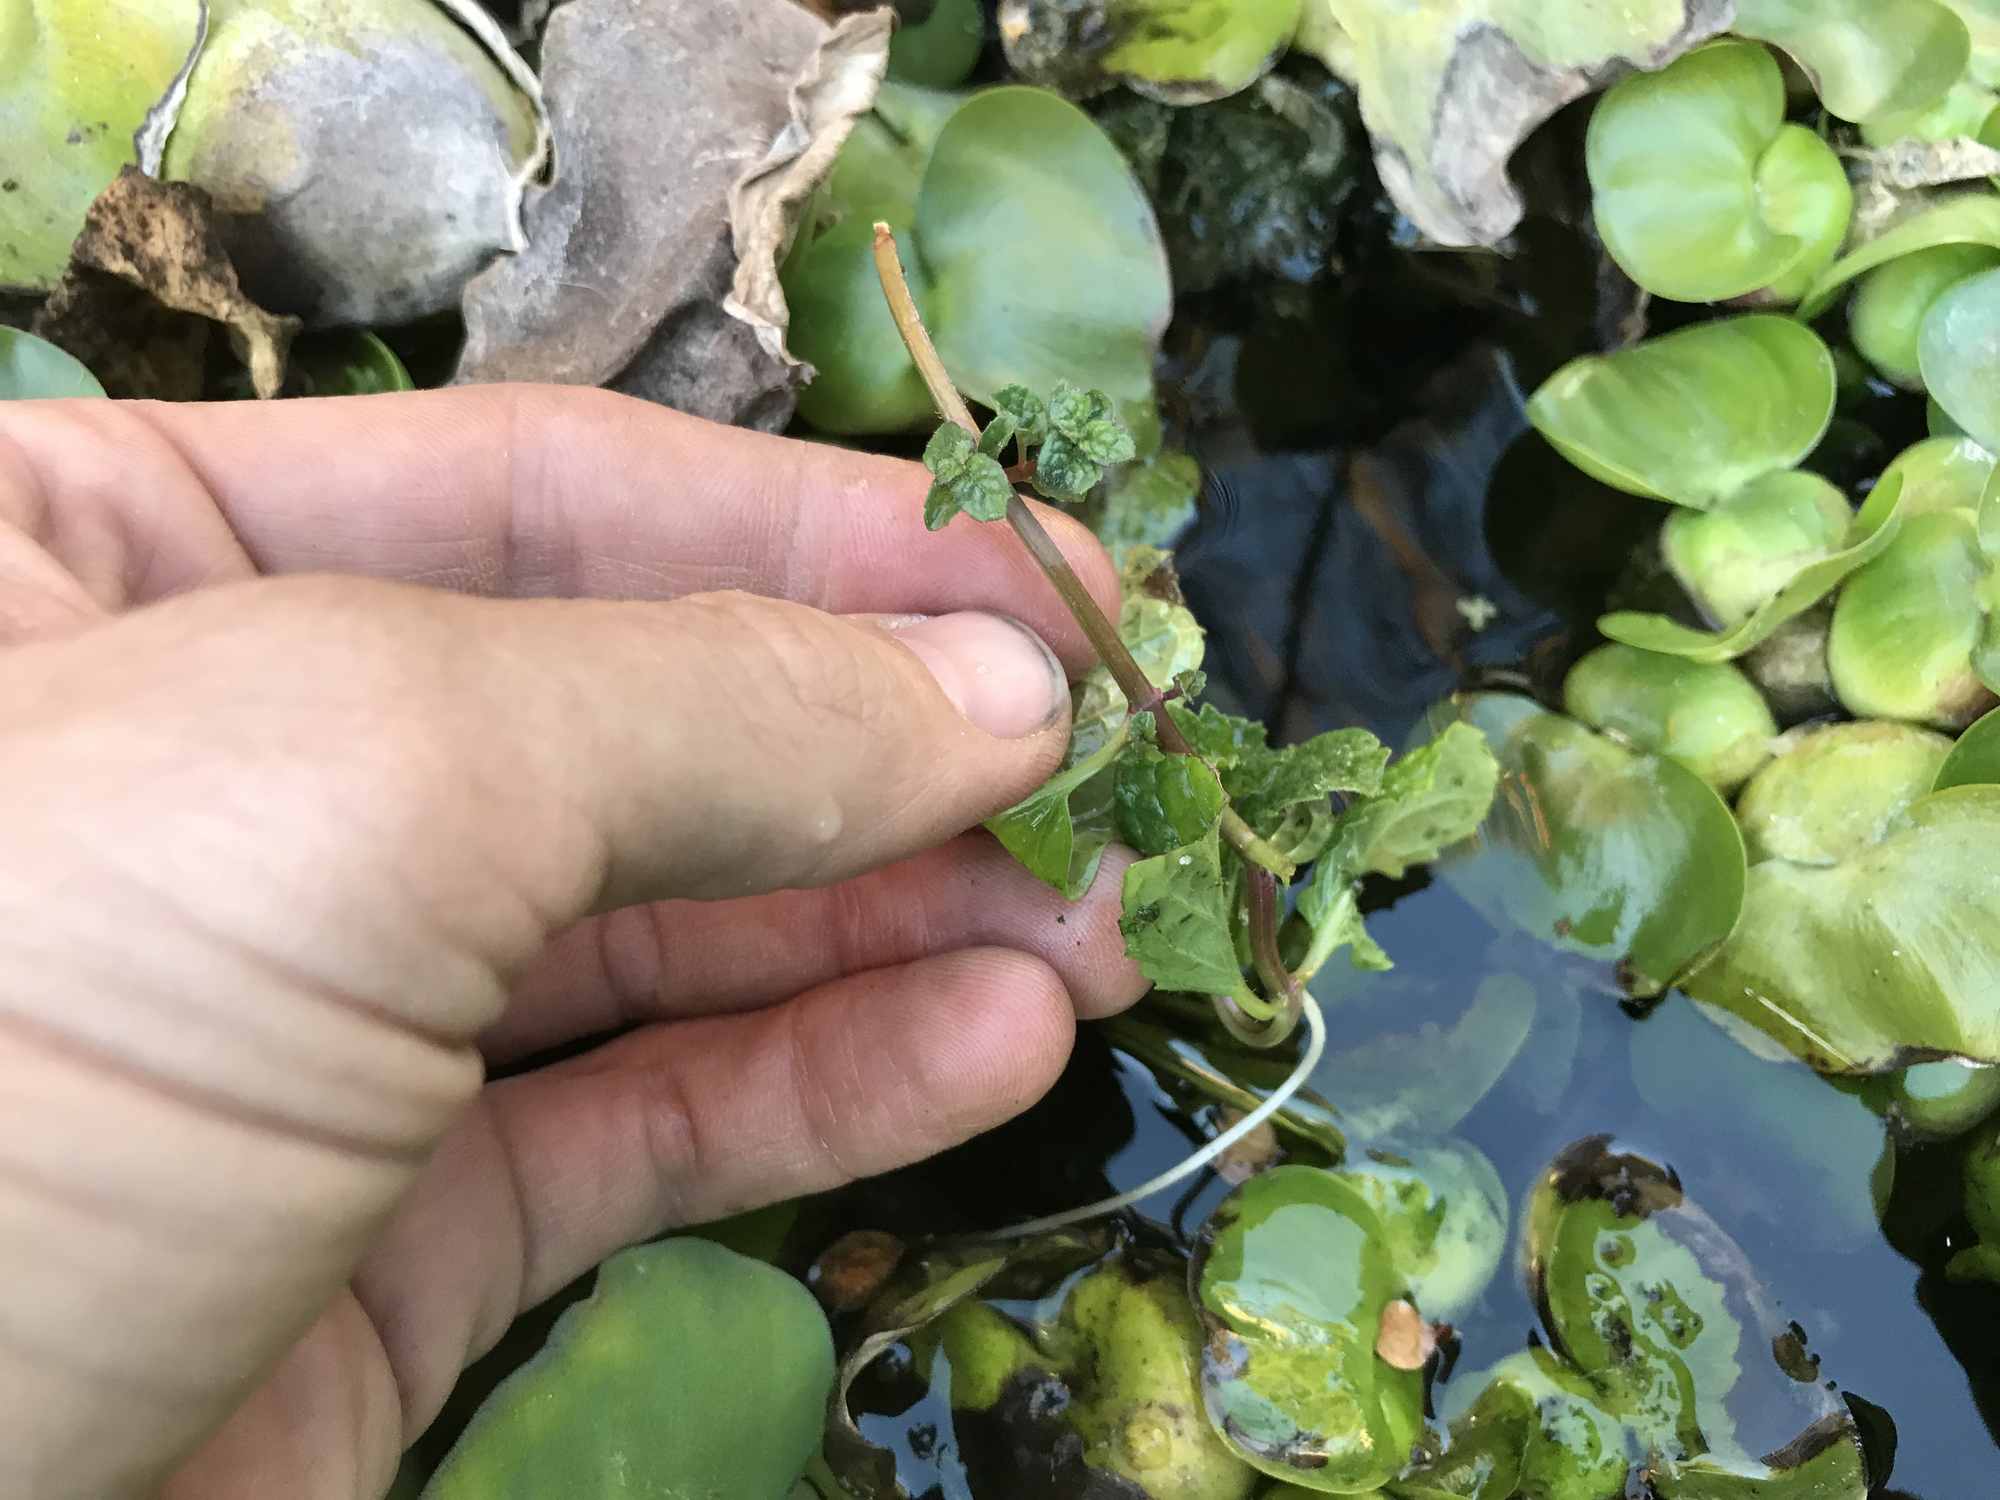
1267	863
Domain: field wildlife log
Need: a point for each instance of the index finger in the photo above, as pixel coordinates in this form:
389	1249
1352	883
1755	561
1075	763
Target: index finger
530	490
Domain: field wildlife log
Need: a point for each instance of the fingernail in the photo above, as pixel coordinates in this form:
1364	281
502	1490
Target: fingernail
996	671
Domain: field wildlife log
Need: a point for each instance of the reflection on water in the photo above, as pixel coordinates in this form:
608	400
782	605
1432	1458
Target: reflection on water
1339	592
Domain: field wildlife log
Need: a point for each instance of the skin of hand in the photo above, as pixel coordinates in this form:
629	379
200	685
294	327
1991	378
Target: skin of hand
352	747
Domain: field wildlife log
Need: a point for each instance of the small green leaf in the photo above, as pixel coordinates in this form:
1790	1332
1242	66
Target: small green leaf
1975	759
998	434
1707	716
1060	831
1030	416
1063	471
1693	416
1106	442
1331	905
1734	559
1164	801
948	452
1265	784
33	369
983	490
1177	919
1071	408
1305	833
1223	740
1431	798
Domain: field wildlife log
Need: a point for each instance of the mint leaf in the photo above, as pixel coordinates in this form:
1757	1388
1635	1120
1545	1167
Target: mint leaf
1163	801
1106	442
945	455
1220	739
1265	784
1063	471
1305	832
1177	919
1060	831
976	485
1072	409
998	434
1430	799
1331	906
1030	417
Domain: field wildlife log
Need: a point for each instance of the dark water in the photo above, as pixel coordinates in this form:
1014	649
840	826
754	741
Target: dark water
1329	585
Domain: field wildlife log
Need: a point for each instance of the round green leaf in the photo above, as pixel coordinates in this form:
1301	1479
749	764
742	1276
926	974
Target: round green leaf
1975	759
33	369
1890	302
1443	1211
1708	717
941	50
1032	252
1701	191
1597	848
1696	415
1910	631
1880	960
690	1370
1291	1279
1872	533
1866	58
1834	790
1956	349
1971	218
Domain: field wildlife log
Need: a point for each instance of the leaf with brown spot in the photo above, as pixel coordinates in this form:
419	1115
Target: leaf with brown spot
147	279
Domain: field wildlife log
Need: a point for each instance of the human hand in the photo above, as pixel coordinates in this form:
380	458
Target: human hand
284	857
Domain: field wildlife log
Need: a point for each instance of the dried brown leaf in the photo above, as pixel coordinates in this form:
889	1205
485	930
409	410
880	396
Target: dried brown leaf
147	278
1405	1341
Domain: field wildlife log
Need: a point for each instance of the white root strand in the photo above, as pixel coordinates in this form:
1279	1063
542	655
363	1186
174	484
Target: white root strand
1280	1096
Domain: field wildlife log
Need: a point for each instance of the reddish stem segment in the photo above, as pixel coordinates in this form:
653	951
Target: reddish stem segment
1267	864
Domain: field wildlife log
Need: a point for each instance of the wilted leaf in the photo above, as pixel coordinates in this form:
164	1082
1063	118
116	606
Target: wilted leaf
1449	89
148	279
838	85
689	1370
77	78
629	253
1693	416
368	156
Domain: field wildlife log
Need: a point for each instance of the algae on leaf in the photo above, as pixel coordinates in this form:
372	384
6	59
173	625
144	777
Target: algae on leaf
1450	88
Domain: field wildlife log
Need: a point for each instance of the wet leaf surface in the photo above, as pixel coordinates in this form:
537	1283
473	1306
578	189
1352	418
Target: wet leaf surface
1880	960
1291	1281
1707	717
1835	790
1693	416
689	1370
1599	849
